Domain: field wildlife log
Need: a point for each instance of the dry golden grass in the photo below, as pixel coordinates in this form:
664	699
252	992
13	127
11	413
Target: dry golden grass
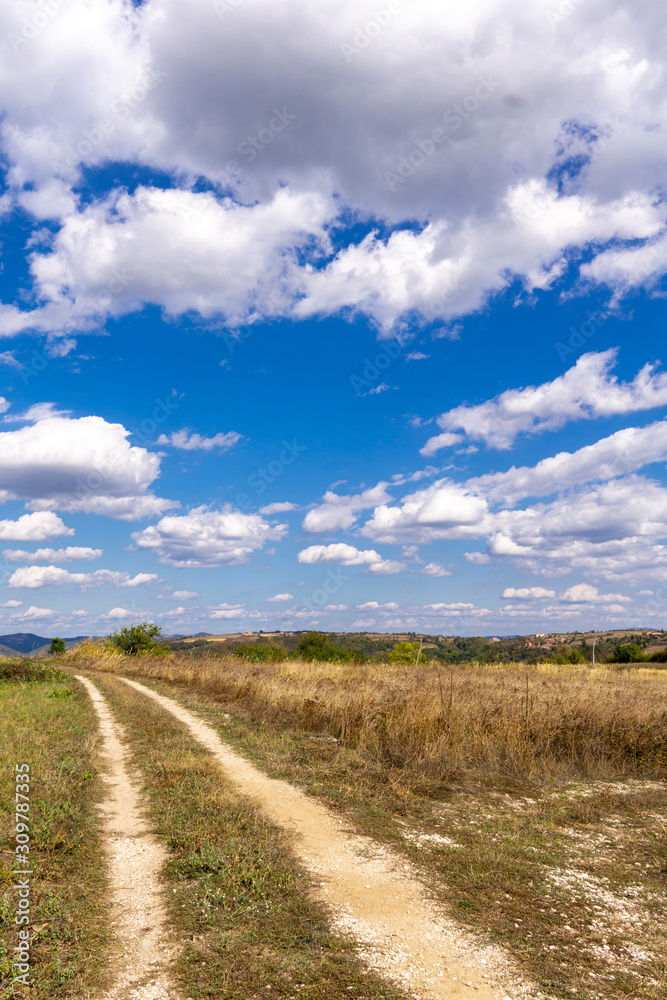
500	783
529	722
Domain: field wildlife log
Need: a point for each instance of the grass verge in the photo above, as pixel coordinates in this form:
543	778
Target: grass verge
236	897
47	722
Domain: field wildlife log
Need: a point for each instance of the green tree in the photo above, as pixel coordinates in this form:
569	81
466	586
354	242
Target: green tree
260	651
138	639
406	652
318	646
57	647
631	652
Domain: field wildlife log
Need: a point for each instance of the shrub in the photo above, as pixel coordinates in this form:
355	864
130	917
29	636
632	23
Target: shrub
631	652
564	655
138	639
94	647
318	646
406	652
261	651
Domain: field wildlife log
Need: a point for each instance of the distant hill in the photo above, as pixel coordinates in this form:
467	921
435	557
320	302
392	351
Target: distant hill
6	651
28	642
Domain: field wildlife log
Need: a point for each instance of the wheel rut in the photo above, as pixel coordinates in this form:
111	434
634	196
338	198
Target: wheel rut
371	893
142	952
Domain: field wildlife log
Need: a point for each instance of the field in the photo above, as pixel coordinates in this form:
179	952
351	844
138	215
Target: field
530	801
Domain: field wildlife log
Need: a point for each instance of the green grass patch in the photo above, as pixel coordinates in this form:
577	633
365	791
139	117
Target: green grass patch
236	896
47	722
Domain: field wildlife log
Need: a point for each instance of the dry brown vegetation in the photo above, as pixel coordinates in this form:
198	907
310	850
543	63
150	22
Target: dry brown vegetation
526	796
514	720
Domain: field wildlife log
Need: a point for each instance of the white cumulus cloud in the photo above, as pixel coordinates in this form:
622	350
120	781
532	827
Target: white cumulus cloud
584	593
470	141
278	508
188	441
527	593
83	464
340	512
342	554
37	527
435	569
586	391
228	611
33	577
70	554
205	537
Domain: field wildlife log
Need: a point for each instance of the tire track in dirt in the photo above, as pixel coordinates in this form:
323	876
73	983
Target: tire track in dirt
372	893
141	955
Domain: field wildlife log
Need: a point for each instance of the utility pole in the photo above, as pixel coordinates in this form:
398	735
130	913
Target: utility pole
595	639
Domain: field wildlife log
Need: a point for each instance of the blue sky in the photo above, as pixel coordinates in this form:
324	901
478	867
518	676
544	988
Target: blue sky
331	318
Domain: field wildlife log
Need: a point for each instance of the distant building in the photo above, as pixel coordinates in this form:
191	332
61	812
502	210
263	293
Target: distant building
494	638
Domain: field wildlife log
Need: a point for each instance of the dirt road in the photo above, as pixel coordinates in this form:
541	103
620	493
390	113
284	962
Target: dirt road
370	892
142	952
